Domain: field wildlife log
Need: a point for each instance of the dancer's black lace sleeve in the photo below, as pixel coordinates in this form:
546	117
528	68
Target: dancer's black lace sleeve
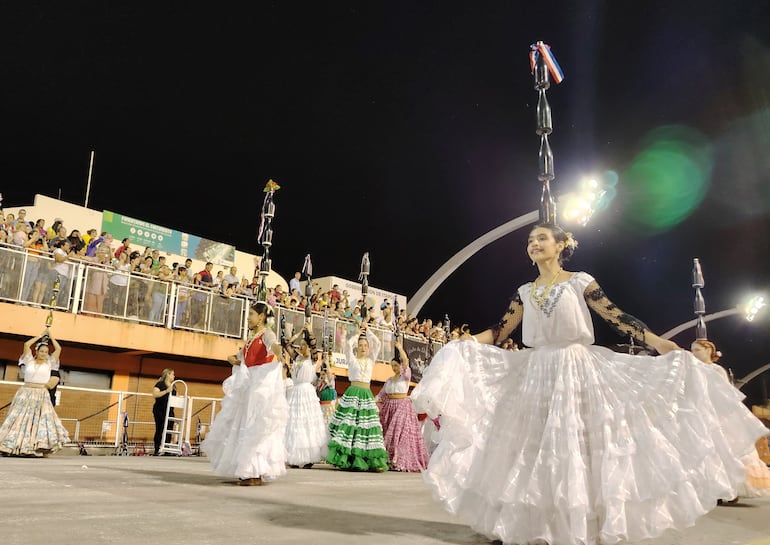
510	320
623	323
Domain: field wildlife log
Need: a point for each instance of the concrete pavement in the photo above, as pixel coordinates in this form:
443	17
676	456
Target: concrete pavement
83	500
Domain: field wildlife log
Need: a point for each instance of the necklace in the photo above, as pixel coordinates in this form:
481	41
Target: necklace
538	299
253	335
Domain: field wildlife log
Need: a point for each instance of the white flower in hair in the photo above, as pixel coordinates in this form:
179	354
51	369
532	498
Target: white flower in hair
570	243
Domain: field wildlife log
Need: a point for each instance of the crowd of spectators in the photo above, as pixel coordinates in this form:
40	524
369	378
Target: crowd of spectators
108	287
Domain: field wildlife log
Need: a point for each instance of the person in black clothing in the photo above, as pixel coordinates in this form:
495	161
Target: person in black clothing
160	392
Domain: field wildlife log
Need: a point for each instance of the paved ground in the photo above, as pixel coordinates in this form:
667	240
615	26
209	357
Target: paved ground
168	501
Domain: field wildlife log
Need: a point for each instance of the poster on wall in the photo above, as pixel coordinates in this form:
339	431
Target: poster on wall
164	239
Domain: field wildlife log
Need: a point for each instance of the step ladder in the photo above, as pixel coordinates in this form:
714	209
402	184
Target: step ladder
173	427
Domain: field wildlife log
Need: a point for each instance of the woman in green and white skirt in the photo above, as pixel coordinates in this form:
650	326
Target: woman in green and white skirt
356	434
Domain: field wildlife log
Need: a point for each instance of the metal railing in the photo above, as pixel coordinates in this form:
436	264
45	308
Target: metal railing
99	290
94	416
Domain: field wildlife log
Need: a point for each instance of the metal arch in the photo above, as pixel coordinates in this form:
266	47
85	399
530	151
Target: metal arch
709	317
416	302
740	383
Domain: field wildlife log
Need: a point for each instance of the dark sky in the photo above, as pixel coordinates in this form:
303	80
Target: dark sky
407	129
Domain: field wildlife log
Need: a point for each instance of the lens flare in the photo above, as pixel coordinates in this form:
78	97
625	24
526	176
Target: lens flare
669	178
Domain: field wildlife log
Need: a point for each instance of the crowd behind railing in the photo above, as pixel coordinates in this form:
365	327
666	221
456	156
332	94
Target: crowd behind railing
91	274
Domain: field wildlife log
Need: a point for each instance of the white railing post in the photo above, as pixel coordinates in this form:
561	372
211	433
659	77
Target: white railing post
80	273
117	420
188	420
171	314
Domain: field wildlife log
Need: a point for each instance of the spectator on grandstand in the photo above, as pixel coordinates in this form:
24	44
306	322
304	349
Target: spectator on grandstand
116	295
198	297
125	246
232	277
219	281
53	230
254	285
386	316
104	237
244	288
334	294
188	270
10	222
279	293
271	299
89	236
205	279
40	226
138	292
4	238
5	225
22	217
38	269
145	265
97	282
182	297
63	268
61	234
159	292
294	286
76	243
21	237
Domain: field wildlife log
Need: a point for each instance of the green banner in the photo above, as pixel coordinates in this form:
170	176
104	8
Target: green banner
144	233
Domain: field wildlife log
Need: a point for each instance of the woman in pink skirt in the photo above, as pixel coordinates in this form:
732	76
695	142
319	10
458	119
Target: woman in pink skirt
400	427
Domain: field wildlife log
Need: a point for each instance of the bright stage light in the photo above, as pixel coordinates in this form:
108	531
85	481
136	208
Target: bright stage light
580	207
753	307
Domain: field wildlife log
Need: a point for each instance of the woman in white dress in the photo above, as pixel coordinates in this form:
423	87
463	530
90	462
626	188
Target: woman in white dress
246	438
570	443
306	436
757	481
32	428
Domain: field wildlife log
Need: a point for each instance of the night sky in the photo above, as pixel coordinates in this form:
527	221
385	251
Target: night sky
407	131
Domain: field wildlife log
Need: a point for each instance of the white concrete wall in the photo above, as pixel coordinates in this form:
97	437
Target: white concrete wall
81	218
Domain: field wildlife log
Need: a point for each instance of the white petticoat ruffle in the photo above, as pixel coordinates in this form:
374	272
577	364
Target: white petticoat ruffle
307	436
246	440
577	444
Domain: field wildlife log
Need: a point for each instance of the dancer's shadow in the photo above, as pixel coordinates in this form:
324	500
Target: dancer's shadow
298	516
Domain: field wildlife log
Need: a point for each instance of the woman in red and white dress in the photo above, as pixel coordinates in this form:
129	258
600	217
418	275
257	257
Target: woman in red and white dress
247	438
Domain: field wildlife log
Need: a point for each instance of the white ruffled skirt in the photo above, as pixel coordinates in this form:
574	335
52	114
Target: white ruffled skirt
307	436
246	440
577	444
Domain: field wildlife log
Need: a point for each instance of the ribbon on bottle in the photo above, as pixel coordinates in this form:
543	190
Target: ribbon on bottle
271	187
307	267
540	48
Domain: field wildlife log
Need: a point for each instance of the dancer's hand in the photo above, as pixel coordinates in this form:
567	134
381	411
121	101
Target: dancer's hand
663	346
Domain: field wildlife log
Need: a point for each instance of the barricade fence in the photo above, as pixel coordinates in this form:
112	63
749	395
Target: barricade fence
95	417
99	290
